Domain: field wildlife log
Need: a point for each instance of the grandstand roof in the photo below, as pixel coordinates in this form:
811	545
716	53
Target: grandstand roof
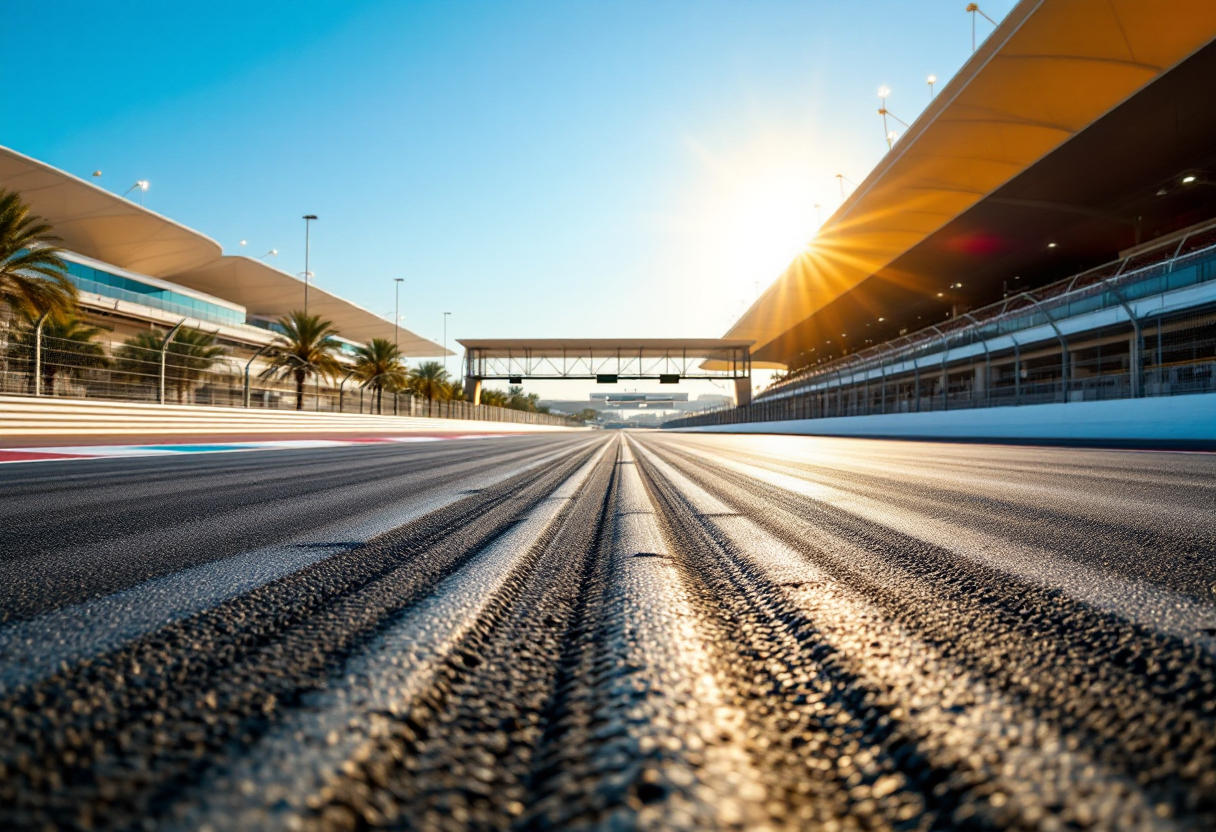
1051	70
104	226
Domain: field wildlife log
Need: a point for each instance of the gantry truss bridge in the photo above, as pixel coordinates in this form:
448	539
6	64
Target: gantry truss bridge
607	360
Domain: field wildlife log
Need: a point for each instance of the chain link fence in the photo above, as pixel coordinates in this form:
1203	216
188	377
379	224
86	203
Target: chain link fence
200	373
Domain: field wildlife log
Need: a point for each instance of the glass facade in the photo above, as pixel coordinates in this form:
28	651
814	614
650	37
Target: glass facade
98	282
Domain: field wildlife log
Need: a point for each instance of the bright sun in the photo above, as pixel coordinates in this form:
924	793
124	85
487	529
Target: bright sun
770	222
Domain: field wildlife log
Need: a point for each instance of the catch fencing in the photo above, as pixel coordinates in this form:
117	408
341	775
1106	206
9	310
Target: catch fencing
1143	326
39	364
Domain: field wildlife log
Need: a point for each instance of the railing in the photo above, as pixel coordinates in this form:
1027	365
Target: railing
983	359
75	369
200	310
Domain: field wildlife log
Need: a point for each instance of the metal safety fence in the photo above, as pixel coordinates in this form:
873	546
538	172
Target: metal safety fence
1142	326
199	372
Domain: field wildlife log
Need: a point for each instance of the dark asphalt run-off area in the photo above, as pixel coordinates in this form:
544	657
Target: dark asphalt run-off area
602	630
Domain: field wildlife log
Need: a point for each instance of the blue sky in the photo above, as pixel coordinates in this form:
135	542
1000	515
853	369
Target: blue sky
561	168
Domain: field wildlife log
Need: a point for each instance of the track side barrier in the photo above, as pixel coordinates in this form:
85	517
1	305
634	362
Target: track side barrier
22	417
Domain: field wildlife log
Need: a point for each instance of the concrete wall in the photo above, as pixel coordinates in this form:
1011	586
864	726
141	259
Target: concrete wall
24	419
1177	420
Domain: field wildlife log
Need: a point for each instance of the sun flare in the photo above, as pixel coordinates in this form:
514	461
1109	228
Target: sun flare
771	221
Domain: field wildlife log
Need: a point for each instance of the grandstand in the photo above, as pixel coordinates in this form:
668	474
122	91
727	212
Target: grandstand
1045	233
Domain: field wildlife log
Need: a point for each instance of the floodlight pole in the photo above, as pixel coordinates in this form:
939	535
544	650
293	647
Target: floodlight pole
972	8
308	218
397	314
445	340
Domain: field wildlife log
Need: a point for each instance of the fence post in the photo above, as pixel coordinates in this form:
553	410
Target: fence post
1134	352
1065	376
1017	371
164	348
38	355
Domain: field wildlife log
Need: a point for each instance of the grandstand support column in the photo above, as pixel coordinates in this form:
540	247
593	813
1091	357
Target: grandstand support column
916	381
743	391
882	397
945	371
472	390
986	379
1136	344
1017	372
1064	357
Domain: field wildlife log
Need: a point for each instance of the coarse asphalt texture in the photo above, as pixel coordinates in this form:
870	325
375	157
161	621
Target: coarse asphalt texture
610	631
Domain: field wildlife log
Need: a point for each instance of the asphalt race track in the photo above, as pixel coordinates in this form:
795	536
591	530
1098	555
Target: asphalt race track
595	630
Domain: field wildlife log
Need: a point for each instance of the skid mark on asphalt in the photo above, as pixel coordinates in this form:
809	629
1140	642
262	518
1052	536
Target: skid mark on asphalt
35	648
1169	612
1015	767
291	767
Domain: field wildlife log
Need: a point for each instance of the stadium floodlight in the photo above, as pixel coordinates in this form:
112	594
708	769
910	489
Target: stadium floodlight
274	252
972	9
141	186
884	92
1186	180
241	247
97	173
1051	245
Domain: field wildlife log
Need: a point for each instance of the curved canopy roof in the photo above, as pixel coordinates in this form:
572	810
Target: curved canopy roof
109	228
98	224
265	291
1050	70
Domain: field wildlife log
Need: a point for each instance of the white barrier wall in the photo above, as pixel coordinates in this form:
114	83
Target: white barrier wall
1178	419
28	417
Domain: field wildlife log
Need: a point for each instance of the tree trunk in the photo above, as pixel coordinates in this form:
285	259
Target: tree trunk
300	376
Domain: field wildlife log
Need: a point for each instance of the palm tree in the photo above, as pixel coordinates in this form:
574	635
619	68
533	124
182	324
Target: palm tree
191	353
305	348
33	275
495	398
67	347
455	392
430	381
517	400
378	365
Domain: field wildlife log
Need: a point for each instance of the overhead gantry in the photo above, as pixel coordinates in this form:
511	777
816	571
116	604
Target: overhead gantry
607	361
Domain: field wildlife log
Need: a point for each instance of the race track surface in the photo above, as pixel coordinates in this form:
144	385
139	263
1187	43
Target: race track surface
610	631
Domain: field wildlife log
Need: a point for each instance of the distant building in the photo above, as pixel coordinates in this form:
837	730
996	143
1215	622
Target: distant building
654	406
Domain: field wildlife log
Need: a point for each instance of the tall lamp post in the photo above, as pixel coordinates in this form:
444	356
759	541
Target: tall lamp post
141	185
308	218
445	341
397	314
